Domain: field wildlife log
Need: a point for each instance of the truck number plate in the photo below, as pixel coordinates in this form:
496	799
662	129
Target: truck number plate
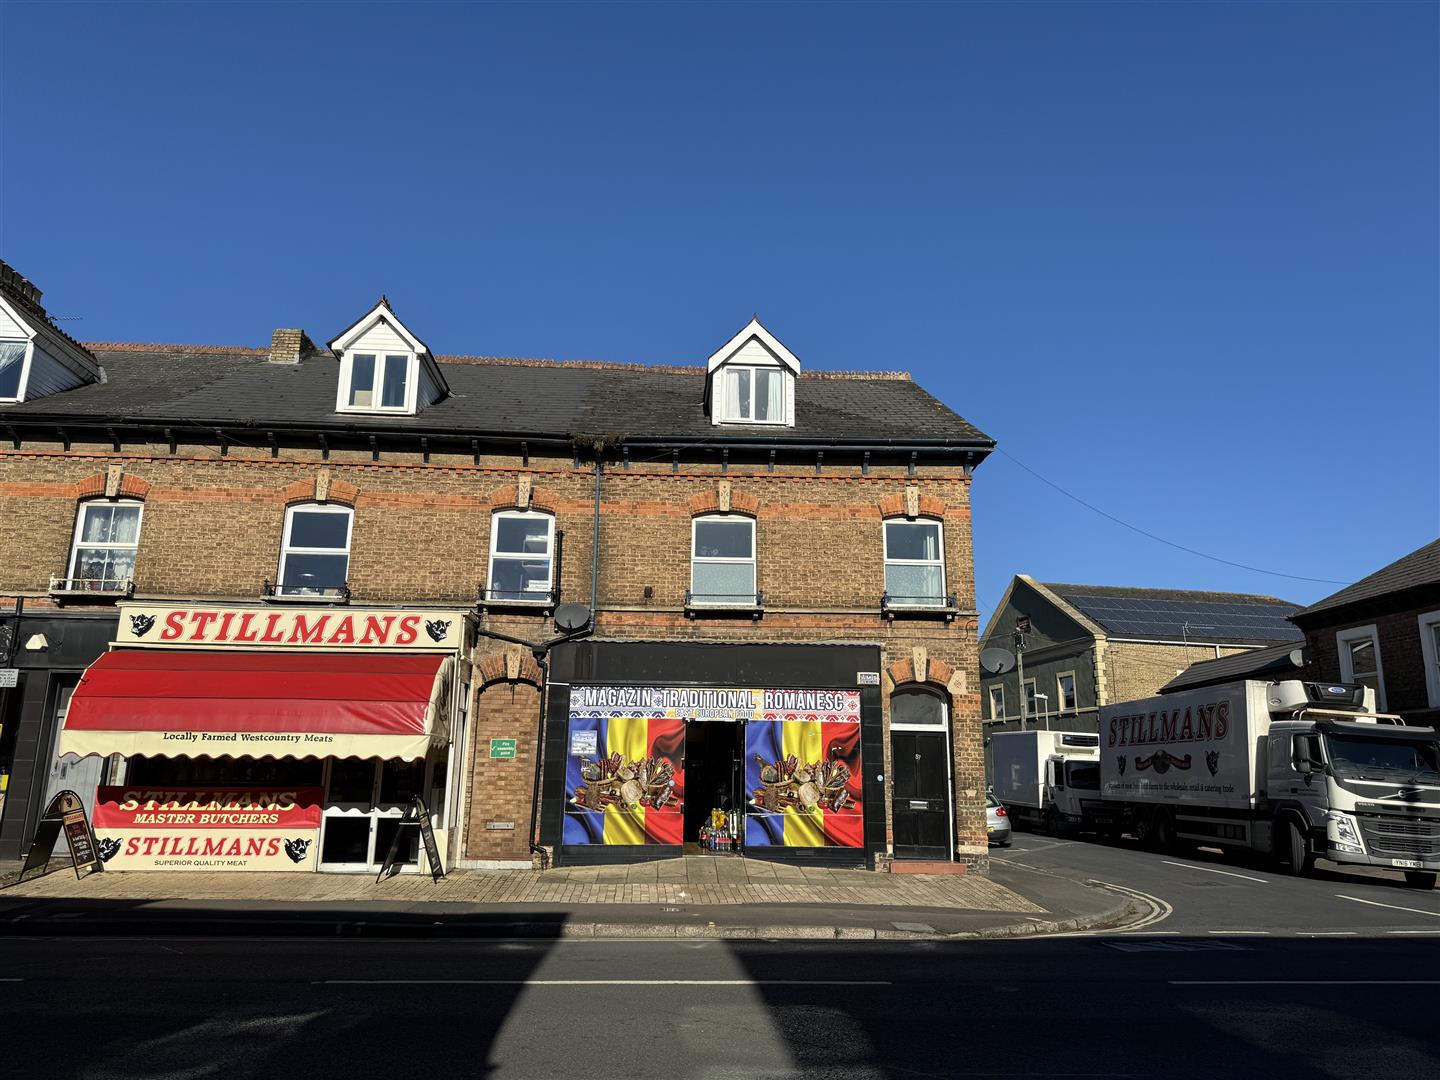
1409	864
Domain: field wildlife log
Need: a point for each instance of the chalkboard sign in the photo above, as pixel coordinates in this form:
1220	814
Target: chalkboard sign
418	817
66	812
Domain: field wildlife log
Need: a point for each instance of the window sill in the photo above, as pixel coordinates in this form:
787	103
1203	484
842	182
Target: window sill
276	594
696	606
546	602
90	590
945	607
352	410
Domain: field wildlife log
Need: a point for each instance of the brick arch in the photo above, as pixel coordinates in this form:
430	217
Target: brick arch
495	668
304	491
926	505
508	498
131	487
709	502
937	675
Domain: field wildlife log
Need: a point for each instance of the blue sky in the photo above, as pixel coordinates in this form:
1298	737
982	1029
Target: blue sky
1179	259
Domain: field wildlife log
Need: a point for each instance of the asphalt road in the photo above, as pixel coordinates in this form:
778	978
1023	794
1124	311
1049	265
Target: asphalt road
1123	1006
1212	893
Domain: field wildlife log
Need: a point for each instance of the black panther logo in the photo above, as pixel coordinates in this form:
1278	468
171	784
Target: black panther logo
297	849
437	629
108	848
1212	761
1120	761
140	625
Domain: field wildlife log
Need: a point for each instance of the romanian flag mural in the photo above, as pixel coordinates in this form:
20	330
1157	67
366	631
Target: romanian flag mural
803	778
625	780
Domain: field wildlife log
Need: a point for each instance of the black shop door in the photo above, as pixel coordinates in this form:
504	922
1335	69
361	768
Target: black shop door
922	794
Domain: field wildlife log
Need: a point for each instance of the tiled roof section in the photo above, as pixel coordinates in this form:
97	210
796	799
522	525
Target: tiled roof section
198	384
1275	662
1421	567
1182	614
21	292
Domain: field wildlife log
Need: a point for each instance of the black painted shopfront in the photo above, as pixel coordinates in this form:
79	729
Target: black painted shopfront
648	743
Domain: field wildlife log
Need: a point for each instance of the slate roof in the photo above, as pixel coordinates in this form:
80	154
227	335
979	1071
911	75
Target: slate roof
1182	614
1274	662
1421	567
489	395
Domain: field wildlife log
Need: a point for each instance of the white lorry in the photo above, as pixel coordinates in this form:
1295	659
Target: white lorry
1293	769
1041	776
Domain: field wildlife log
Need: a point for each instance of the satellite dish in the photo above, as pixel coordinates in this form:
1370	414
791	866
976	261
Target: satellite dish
572	617
997	661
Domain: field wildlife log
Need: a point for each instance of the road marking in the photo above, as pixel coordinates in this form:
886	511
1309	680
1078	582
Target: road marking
601	982
12	980
1392	907
1212	870
1240	933
1412	932
1305	982
1330	933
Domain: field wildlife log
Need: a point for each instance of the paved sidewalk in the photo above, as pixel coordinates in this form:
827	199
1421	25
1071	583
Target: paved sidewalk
691	880
693	897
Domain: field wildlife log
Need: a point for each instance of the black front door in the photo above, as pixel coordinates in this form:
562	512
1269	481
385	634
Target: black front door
922	794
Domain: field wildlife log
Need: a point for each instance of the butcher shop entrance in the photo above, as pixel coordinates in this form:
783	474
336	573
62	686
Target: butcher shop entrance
714	787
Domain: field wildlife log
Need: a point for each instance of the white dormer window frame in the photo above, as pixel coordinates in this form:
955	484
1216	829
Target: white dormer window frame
736	372
16	355
379	363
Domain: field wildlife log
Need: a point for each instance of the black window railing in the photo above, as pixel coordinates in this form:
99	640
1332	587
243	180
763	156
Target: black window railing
891	603
325	594
493	596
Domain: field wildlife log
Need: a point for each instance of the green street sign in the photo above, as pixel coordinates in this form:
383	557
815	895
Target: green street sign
502	748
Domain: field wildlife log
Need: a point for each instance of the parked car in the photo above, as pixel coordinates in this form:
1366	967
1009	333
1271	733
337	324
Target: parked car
997	821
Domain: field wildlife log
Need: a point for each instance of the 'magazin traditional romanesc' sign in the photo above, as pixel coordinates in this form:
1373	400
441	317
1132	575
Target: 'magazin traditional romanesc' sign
290	628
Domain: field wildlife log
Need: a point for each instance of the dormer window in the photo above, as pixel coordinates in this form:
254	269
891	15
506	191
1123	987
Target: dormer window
754	395
379	381
12	369
384	368
751	380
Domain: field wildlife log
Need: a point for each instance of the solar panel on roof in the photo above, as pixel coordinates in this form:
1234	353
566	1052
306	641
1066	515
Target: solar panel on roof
1177	619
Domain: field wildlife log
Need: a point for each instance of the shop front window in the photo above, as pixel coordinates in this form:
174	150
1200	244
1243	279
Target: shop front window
365	802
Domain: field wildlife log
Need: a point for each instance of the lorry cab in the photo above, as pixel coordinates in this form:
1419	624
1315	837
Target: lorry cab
1069	782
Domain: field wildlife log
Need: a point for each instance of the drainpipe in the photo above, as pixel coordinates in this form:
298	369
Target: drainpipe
595	539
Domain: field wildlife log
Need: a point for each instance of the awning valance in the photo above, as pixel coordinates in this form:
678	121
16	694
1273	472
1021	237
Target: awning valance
212	703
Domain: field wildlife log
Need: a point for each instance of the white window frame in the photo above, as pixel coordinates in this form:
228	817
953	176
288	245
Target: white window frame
1347	672
717	560
1030	699
721	397
524	515
25	363
1428	623
76	543
1000	687
382	359
1060	693
286	549
941	600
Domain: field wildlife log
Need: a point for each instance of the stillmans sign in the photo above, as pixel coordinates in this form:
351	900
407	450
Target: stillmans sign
207	828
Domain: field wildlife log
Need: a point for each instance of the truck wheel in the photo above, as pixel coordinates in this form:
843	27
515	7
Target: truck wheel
1420	879
1295	854
1162	832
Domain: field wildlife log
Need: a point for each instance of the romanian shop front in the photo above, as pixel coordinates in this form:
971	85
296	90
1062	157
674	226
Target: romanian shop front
659	749
267	738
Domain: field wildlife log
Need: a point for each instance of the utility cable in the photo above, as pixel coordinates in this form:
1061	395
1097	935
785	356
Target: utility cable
1161	539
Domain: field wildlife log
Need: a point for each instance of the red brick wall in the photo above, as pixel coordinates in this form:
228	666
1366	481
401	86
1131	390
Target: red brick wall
1401	661
213	522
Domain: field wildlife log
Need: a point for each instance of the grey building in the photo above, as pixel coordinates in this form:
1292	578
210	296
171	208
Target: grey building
1091	645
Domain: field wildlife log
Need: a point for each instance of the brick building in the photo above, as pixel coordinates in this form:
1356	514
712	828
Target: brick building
1093	645
1383	631
779	563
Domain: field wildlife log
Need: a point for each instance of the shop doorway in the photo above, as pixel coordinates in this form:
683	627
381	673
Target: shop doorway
365	799
714	780
921	770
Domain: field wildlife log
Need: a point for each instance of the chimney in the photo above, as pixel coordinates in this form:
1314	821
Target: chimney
288	346
19	287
